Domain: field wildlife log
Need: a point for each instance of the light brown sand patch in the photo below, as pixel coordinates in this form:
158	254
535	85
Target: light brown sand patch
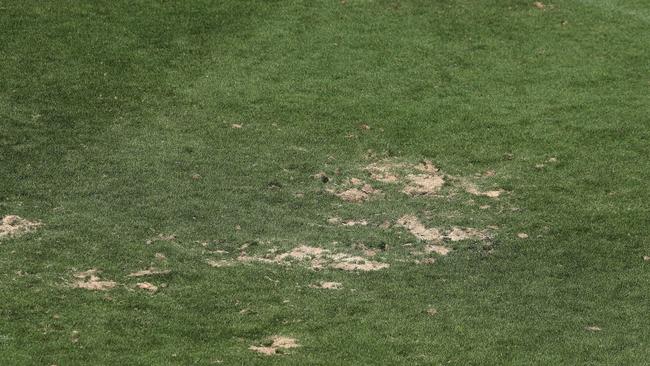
539	5
427	167
354	223
147	286
355	181
384	177
425	261
13	225
149	272
236	125
412	224
439	249
302	252
472	189
458	234
522	236
219	263
358	264
278	343
328	285
353	195
423	184
89	280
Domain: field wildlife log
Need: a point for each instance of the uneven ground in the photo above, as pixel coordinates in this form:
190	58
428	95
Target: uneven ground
324	182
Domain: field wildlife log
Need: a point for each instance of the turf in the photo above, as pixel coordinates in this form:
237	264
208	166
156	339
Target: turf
108	109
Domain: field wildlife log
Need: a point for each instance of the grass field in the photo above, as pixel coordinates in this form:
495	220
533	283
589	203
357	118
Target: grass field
214	143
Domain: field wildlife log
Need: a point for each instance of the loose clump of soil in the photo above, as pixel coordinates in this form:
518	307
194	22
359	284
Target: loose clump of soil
89	280
12	226
278	343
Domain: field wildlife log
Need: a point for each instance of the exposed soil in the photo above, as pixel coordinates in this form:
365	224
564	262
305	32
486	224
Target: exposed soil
149	272
278	343
13	226
89	280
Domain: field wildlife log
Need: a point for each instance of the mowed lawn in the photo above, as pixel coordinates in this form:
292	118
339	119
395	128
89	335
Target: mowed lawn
471	178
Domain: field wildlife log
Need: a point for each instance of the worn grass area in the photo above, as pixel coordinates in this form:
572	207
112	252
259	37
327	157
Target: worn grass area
116	134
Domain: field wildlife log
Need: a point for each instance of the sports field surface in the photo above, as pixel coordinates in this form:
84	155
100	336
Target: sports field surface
325	182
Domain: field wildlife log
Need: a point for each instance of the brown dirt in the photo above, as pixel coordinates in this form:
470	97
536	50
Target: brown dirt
328	285
353	195
458	234
219	263
317	258
89	280
432	311
279	342
149	272
423	184
147	286
439	249
412	224
472	189
12	226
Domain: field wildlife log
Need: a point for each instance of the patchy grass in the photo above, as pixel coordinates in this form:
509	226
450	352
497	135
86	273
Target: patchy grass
165	153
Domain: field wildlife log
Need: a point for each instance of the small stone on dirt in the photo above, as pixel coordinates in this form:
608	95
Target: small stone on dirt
646	258
593	328
236	125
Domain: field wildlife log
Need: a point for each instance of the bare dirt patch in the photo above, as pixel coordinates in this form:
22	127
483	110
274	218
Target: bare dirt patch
328	285
352	195
458	234
423	184
277	343
316	258
147	286
220	263
438	249
413	224
473	189
89	280
13	225
149	272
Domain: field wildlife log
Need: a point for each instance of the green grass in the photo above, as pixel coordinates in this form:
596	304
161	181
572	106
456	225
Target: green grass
107	109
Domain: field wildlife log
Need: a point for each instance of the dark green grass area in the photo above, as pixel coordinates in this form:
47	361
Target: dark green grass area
108	108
